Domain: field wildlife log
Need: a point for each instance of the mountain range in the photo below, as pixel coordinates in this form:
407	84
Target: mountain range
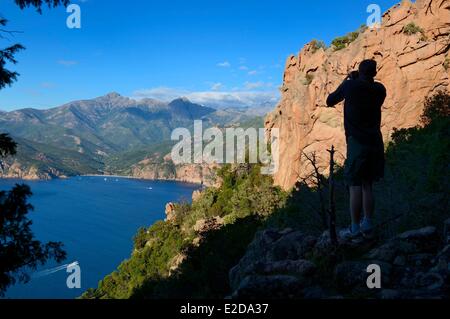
108	134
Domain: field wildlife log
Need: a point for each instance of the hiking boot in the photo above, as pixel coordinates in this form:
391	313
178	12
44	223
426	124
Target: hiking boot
367	230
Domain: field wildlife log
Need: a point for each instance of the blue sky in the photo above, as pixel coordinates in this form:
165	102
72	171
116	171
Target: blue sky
211	51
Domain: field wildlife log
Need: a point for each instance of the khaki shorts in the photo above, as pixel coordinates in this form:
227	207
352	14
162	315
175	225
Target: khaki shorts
365	163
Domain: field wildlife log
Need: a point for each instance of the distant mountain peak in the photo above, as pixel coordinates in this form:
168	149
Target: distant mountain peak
183	99
113	95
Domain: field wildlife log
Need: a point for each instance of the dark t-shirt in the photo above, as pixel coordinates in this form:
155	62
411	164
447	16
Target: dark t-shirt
362	109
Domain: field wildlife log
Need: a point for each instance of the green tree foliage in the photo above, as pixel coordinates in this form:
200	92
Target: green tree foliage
38	4
7	77
437	108
7	146
342	42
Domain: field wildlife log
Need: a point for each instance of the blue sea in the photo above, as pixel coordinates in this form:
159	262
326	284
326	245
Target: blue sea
96	219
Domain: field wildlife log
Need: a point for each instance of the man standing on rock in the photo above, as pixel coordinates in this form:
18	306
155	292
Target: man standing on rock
365	149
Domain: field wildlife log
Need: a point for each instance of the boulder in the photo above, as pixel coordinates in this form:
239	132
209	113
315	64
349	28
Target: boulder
430	281
206	225
425	239
294	245
196	195
170	212
275	252
352	274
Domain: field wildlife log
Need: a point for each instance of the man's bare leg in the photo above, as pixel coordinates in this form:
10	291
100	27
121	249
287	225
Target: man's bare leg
368	205
368	200
356	198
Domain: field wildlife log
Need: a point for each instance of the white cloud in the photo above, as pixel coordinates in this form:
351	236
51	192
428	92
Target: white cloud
160	93
243	68
242	98
216	86
257	85
253	72
224	64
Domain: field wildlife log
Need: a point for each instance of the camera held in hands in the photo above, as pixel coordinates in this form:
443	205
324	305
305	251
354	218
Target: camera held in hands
354	75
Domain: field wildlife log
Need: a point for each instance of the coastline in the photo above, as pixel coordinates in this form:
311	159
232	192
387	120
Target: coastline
99	175
142	179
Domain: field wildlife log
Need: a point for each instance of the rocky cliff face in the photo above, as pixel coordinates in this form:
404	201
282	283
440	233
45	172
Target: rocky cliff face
412	66
18	171
166	170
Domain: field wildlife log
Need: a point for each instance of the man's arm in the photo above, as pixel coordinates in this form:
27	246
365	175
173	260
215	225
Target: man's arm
382	94
337	96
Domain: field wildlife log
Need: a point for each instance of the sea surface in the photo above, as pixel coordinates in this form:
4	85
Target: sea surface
96	219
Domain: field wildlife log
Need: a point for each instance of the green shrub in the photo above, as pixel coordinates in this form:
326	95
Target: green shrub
342	42
437	108
316	45
411	28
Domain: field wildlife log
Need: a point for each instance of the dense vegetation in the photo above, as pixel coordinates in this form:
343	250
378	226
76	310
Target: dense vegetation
342	42
175	260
